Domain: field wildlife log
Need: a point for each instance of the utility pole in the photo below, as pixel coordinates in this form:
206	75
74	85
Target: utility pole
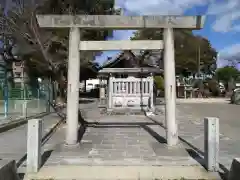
5	70
198	60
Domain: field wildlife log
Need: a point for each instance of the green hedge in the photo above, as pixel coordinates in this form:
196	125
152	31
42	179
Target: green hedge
213	87
1	94
159	82
16	93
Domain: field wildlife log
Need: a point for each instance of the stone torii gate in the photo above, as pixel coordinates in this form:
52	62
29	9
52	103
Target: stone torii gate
77	22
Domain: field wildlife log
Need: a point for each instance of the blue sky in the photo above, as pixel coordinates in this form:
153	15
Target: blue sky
222	26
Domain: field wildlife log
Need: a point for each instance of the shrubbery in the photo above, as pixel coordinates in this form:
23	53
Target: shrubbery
213	87
159	82
1	94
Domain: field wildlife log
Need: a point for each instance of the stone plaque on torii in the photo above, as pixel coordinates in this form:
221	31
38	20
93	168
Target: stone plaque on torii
77	22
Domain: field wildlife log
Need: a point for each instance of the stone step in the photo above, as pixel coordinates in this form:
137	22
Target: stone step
122	173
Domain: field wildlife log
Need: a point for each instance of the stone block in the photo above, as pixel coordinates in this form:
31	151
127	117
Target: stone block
120	22
34	145
130	101
120	45
211	143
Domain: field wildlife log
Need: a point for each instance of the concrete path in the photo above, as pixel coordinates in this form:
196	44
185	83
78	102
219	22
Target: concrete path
161	101
204	100
190	122
13	143
119	147
190	118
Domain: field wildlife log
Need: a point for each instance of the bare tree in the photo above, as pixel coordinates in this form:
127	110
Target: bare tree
46	50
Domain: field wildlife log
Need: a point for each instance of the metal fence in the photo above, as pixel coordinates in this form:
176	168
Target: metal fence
16	103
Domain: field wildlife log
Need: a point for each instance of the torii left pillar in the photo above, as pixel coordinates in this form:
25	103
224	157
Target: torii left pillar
73	87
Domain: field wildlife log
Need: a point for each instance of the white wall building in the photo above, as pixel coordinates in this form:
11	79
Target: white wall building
19	75
92	84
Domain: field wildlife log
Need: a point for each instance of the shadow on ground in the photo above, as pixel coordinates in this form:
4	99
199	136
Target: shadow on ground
197	154
193	151
85	101
92	94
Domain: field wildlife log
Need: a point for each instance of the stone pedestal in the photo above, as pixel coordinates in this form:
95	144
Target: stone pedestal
34	141
102	95
211	143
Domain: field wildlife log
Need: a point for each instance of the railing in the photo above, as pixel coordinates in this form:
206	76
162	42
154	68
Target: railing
131	86
130	92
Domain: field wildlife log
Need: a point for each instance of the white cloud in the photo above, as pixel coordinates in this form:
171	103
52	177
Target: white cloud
230	54
155	7
217	7
161	7
227	13
225	23
122	34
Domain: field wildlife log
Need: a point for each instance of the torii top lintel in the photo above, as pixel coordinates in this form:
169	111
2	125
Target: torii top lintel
120	22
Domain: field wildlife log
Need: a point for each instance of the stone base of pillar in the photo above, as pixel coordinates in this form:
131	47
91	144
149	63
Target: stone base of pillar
153	110
71	146
102	103
178	145
109	111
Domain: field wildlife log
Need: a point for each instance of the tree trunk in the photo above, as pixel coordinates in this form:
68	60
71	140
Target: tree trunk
61	80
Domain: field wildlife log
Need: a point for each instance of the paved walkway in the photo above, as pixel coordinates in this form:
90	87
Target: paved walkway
117	140
135	140
139	139
123	140
13	143
190	118
204	100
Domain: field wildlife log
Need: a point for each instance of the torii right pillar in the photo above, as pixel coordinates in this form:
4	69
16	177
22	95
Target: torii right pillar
170	76
170	87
